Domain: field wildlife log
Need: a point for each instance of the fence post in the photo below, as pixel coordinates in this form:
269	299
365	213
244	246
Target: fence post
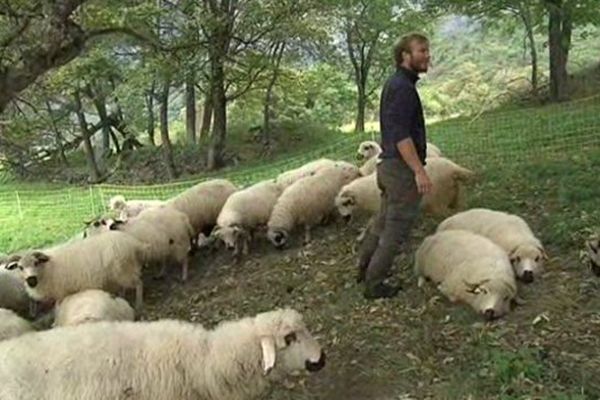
92	201
19	205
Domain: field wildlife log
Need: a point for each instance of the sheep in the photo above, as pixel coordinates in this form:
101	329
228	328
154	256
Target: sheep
510	232
109	261
202	203
361	194
287	178
593	254
91	306
131	208
369	150
165	359
447	192
243	212
13	295
468	268
308	202
12	325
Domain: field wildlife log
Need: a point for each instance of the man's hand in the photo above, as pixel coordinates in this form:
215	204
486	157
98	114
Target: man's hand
424	184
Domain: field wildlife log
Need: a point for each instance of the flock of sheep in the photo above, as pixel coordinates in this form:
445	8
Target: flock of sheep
474	257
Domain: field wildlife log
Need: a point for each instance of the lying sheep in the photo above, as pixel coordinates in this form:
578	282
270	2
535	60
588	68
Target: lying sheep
166	359
510	232
202	203
468	268
593	254
360	194
109	261
12	325
243	212
91	305
369	150
131	208
433	151
287	178
447	192
13	295
308	202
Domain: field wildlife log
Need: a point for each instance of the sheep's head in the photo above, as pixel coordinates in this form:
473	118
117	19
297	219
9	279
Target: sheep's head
492	298
286	343
367	150
231	235
96	226
30	265
528	261
345	204
278	237
593	251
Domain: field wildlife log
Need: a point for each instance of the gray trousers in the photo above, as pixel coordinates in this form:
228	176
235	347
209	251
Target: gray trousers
390	229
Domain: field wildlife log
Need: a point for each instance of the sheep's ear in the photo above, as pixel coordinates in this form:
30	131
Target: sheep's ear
544	254
11	265
40	257
268	350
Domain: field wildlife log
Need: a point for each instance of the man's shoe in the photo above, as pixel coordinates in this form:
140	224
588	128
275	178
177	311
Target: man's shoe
381	291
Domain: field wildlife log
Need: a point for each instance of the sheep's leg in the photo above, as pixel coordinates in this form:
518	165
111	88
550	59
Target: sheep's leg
139	297
246	246
307	237
163	270
184	269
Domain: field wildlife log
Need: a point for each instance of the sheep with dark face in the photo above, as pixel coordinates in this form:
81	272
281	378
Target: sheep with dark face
165	359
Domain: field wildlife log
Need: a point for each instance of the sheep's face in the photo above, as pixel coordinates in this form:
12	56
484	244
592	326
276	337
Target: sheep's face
528	262
367	150
491	298
593	250
230	235
97	226
278	237
345	205
117	203
31	266
287	344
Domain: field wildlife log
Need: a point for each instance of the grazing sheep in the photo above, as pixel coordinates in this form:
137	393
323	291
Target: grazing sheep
593	254
167	359
360	194
308	202
287	178
447	192
202	203
369	150
243	212
13	295
110	261
468	268
131	208
91	305
510	232
12	325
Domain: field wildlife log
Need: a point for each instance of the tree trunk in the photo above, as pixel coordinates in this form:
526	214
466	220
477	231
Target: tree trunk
219	102
167	149
361	103
207	113
150	108
57	136
266	134
87	143
525	13
559	39
100	104
190	108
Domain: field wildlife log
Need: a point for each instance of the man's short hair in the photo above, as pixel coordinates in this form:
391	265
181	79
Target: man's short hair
404	45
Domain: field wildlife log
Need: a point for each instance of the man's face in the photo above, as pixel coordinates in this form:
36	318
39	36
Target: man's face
419	57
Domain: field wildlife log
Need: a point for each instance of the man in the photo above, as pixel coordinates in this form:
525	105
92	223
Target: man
401	175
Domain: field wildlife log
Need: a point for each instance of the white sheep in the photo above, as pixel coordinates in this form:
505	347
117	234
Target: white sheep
243	212
287	178
510	232
369	150
202	203
593	254
91	305
110	261
12	325
166	359
447	192
131	208
360	194
308	202
468	268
